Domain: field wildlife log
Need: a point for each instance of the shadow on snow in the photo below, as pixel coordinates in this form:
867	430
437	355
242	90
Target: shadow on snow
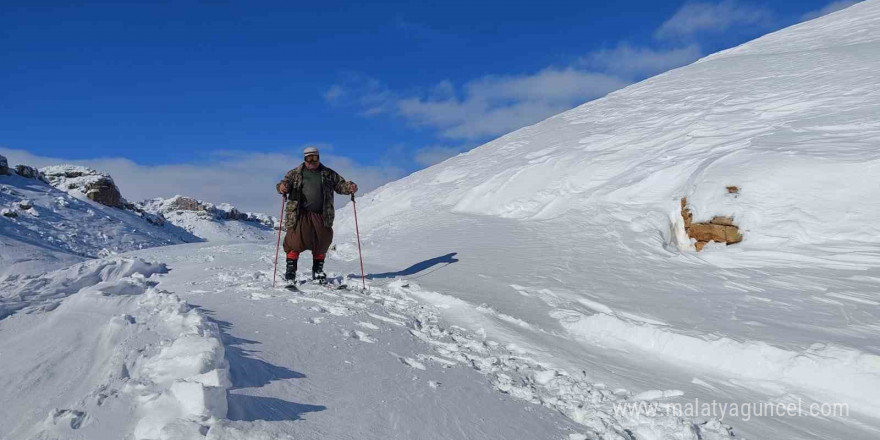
445	260
248	371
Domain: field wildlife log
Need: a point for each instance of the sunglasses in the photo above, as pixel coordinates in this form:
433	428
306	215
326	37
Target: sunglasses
312	159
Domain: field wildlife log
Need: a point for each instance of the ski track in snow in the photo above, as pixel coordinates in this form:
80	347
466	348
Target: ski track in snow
443	346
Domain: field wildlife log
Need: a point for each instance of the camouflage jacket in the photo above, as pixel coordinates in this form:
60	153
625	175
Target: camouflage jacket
331	181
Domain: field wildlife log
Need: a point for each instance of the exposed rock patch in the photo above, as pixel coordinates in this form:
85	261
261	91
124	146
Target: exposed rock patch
180	203
4	166
721	229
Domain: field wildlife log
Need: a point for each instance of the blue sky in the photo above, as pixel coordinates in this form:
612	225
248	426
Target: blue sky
385	88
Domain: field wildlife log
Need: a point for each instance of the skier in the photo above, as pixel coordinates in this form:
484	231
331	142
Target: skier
309	213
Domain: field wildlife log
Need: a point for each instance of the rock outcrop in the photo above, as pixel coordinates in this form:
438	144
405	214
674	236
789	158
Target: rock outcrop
98	187
179	205
721	229
4	166
27	172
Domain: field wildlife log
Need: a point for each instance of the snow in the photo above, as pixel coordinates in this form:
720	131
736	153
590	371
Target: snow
116	349
58	229
374	359
530	288
571	248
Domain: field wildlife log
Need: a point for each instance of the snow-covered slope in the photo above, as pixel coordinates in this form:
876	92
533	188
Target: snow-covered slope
62	214
201	219
43	228
567	240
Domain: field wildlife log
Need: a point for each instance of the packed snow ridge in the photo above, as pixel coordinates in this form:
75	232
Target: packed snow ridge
148	353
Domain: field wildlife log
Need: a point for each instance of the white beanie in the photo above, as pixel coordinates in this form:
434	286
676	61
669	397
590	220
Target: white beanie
310	150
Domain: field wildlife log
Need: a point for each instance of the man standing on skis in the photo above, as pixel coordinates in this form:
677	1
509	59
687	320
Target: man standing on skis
309	213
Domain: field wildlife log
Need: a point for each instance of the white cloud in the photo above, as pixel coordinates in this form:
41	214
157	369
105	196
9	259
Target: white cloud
831	7
549	84
497	104
246	180
697	17
435	154
493	105
633	62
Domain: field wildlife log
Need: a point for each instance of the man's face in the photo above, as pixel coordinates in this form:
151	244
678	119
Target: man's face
312	161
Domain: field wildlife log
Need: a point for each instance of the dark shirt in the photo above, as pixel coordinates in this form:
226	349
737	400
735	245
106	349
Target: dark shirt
313	191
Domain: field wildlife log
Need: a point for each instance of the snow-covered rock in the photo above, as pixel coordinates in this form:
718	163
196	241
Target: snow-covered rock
96	186
210	221
223	211
202	219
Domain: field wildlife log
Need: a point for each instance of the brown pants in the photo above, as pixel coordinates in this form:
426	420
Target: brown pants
309	234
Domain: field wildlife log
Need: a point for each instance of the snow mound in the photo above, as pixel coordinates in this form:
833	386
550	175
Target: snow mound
118	357
824	372
45	292
182	385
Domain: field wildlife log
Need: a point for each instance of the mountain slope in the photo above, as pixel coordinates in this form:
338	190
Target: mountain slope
569	241
44	228
64	214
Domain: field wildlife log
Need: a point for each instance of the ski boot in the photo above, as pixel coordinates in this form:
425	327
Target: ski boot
318	272
290	273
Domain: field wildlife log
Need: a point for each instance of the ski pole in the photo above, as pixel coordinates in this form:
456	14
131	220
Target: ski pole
278	243
357	230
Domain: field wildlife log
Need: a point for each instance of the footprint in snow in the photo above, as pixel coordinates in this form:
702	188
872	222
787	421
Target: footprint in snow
410	362
361	336
368	325
66	417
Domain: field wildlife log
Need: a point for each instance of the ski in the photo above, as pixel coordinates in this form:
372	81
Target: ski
329	285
